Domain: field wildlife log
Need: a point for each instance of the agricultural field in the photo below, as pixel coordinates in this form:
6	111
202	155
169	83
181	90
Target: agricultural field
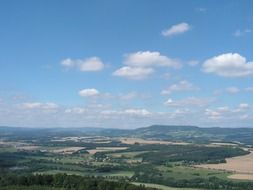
241	166
162	187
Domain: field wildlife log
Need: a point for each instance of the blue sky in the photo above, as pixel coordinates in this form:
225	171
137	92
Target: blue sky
126	64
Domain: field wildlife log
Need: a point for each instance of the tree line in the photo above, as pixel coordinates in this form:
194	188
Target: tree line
63	181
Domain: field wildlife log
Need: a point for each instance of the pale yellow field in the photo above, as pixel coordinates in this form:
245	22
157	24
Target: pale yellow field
242	166
224	144
105	149
68	150
13	144
94	139
143	141
28	148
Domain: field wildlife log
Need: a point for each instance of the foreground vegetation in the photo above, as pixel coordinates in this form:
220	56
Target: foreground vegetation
63	181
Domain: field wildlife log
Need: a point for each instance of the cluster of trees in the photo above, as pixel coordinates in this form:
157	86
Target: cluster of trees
34	187
63	181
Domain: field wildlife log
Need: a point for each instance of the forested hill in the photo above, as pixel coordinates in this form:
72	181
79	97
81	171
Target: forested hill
195	134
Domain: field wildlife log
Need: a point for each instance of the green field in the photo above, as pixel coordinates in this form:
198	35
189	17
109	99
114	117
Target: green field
187	172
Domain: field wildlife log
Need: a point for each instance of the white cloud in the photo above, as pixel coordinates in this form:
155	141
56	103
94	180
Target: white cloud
176	29
127	112
89	64
135	73
223	114
229	65
150	59
68	62
190	101
76	110
39	105
232	90
223	109
181	86
212	114
244	106
239	33
89	92
141	64
137	112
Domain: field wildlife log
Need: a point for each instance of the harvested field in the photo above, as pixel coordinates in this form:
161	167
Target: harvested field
241	165
68	150
224	144
88	139
28	148
106	149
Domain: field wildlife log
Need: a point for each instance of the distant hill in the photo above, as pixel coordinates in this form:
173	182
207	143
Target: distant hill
195	134
157	132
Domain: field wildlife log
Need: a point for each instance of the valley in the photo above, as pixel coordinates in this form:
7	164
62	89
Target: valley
131	157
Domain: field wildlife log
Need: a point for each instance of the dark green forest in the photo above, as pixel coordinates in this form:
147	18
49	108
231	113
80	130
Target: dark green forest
62	181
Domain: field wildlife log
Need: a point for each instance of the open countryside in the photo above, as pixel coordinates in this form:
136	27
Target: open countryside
126	95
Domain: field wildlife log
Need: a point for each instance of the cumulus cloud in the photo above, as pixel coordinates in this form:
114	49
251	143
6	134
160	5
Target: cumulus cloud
181	86
190	101
232	90
212	114
140	65
225	113
76	110
136	73
150	59
39	105
137	112
229	65
89	92
129	112
244	106
176	29
89	64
